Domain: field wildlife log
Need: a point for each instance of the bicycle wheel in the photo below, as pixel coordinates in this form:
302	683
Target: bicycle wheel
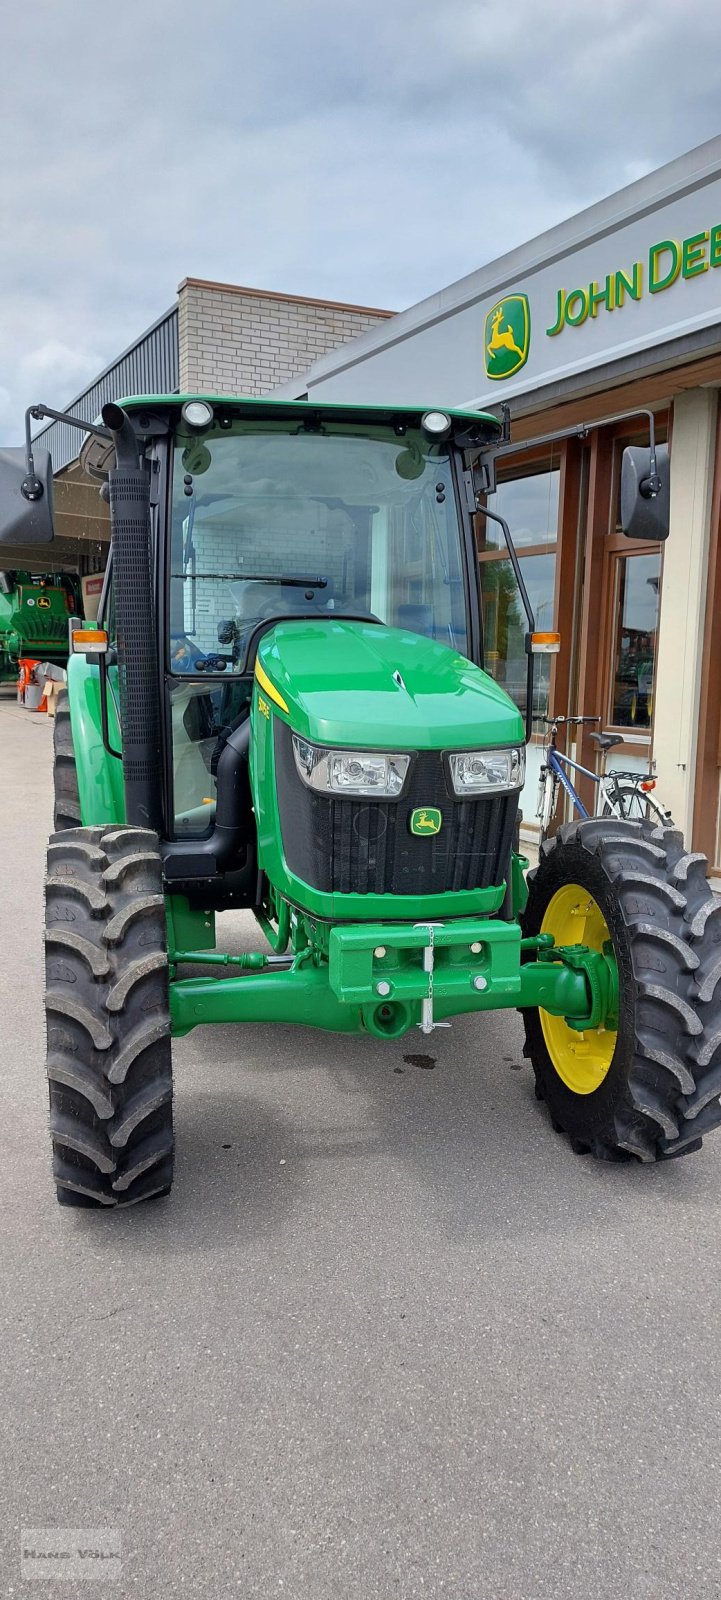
627	800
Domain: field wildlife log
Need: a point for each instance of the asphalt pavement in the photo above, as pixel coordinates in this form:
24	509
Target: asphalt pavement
388	1338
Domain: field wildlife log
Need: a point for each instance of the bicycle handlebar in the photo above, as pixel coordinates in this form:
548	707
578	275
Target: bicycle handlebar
565	720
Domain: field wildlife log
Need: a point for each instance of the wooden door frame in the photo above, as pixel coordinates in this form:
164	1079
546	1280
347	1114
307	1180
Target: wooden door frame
603	547
705	828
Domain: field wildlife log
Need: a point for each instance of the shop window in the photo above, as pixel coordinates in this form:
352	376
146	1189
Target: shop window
638	582
530	507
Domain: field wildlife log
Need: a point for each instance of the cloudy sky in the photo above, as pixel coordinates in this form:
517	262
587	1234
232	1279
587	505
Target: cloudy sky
364	150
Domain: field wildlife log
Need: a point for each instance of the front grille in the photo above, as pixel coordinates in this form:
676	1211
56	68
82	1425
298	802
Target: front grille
346	846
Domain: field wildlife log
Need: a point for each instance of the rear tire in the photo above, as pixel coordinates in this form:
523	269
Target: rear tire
108	1022
65	777
661	1088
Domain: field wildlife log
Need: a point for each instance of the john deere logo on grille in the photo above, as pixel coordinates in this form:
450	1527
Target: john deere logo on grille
44	602
426	819
508	336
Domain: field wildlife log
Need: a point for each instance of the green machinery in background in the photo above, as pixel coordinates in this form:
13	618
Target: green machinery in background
283	708
34	613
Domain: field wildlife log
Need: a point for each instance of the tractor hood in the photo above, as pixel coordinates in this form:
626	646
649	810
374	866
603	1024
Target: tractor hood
366	685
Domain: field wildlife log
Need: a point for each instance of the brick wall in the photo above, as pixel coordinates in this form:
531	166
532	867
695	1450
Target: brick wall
250	341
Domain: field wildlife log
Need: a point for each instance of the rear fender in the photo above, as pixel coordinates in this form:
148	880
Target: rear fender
100	776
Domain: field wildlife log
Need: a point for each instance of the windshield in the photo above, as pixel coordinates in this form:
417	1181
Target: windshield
284	518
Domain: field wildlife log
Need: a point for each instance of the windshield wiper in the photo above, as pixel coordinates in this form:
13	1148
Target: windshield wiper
261	577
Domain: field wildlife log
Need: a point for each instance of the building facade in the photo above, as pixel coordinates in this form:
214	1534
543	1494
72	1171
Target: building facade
612	313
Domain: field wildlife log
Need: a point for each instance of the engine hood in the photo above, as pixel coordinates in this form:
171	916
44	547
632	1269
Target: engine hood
366	685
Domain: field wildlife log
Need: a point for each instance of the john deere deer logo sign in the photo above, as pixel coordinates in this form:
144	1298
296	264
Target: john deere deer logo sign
426	820
507	336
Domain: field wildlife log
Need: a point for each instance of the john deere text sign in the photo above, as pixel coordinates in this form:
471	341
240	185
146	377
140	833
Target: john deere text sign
507	336
667	260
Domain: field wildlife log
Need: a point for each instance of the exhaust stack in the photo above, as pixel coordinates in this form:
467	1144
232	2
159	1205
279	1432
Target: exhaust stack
129	489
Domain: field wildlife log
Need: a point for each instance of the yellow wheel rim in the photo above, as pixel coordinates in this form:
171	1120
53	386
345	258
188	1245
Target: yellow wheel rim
580	1059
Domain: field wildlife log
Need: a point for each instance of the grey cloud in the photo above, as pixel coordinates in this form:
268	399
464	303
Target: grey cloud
364	151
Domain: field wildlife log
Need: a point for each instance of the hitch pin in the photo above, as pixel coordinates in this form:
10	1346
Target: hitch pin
427	1023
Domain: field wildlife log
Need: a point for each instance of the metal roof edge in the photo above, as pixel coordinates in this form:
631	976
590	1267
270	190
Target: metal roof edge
172	311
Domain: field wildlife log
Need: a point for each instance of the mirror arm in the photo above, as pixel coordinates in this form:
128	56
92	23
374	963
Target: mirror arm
31	486
581	432
651	486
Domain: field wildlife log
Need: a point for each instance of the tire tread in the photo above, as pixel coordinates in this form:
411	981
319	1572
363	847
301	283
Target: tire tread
667	1092
109	1055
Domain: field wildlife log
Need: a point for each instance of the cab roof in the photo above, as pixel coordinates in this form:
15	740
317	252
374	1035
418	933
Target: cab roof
267	402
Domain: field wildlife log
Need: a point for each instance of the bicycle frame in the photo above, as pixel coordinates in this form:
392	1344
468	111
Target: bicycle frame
611	785
554	758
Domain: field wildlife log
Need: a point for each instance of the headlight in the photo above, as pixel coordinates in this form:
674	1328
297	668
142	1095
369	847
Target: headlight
353	772
487	771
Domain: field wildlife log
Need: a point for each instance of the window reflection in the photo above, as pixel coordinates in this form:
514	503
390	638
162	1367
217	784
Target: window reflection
530	507
636	628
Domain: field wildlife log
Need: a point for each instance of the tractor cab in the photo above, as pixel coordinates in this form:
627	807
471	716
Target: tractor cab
325	524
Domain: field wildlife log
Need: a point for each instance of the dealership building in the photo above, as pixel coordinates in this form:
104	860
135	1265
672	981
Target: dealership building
612	313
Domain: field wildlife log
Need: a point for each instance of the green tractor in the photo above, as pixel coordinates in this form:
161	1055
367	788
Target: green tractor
283	709
34	611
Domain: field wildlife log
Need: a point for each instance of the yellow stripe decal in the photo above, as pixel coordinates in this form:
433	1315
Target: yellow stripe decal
270	690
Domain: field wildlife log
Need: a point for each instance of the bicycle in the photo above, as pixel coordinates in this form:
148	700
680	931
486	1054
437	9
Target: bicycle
621	794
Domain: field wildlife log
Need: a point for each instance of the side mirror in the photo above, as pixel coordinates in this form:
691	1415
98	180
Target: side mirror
26	517
645	496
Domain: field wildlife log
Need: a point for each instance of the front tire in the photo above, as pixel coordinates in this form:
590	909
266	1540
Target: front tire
651	1089
108	1021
